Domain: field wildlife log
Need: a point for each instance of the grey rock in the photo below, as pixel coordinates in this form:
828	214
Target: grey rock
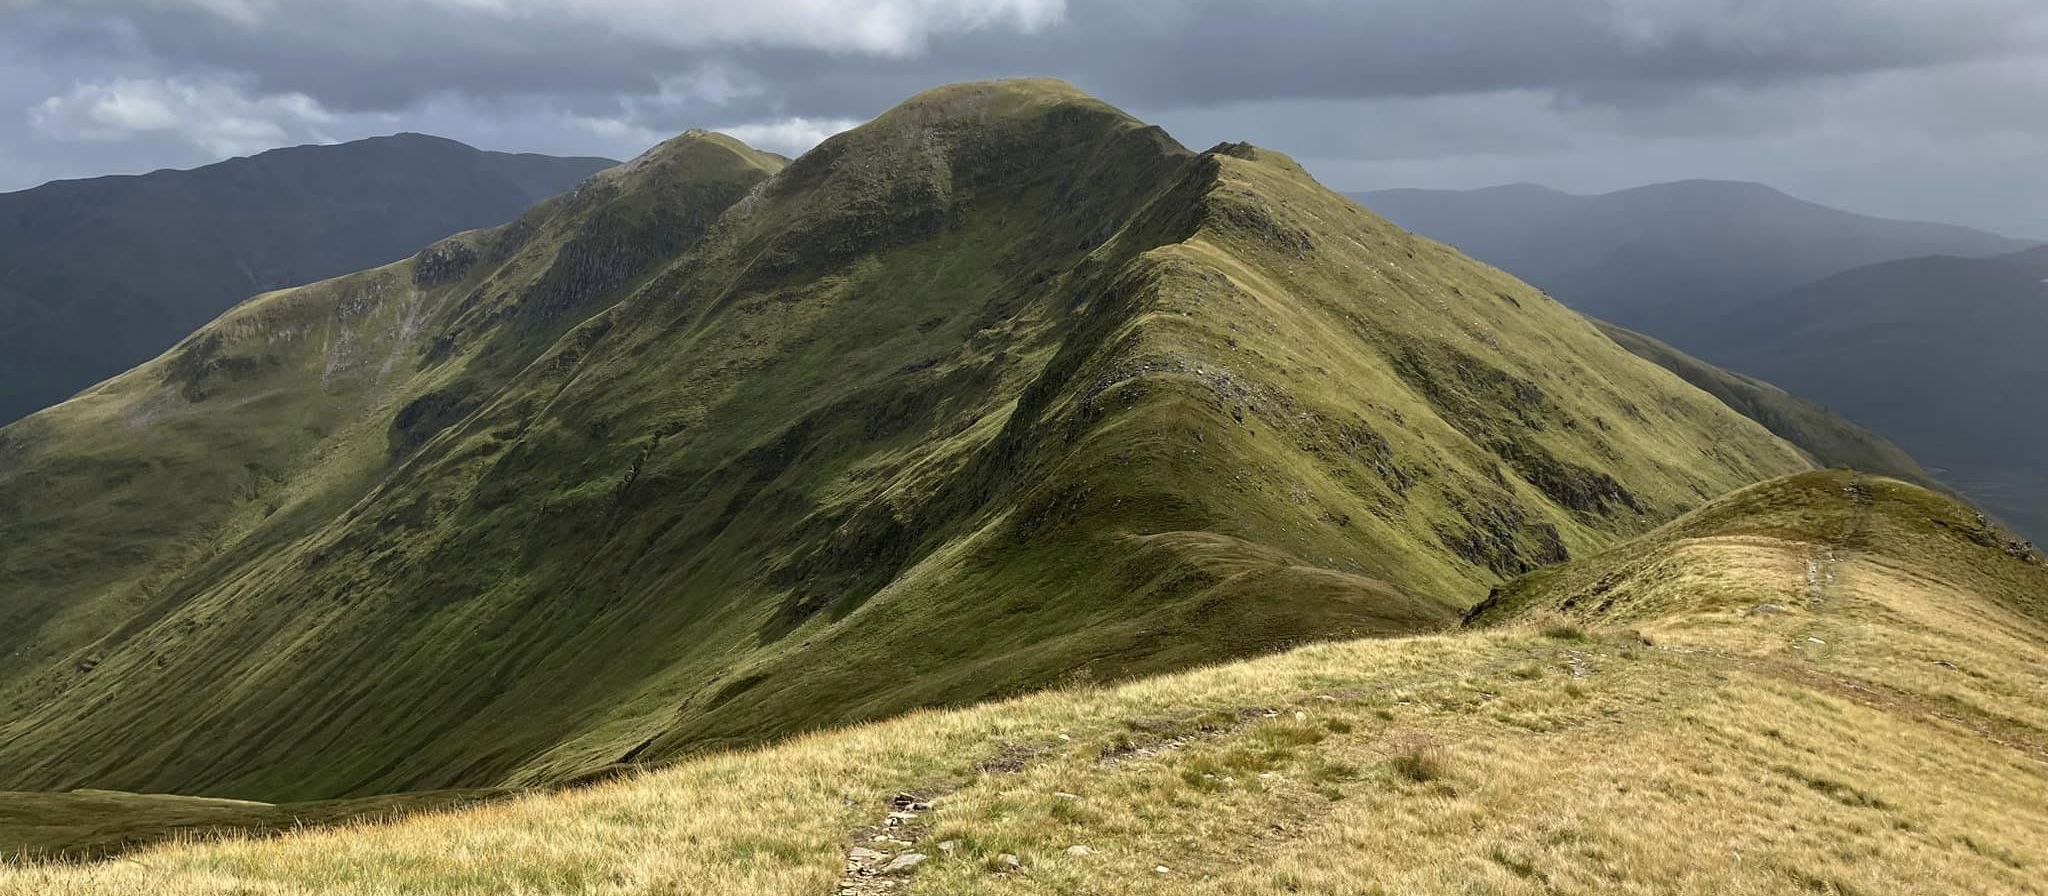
904	862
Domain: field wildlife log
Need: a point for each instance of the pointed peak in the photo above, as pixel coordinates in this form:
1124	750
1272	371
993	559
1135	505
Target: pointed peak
978	130
1032	90
693	156
697	147
1254	153
991	106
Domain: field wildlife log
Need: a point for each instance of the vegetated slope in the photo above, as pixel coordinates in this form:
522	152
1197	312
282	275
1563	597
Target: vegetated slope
1825	683
86	825
1830	440
1001	389
102	274
1936	354
120	509
1942	355
1661	257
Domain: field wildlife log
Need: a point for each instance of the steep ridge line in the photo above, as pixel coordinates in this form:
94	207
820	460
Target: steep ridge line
718	451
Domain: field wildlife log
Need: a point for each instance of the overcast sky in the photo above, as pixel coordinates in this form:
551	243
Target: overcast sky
1931	109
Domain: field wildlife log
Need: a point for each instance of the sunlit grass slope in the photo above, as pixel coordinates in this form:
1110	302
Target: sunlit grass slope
1002	389
94	824
1821	684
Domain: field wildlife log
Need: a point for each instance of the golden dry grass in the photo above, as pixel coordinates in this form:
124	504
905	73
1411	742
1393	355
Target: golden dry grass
1885	733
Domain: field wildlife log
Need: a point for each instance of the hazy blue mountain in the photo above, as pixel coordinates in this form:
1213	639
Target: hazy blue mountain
1830	440
1662	256
1943	355
99	275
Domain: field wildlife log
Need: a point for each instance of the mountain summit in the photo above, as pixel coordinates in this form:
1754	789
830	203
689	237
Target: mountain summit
1001	389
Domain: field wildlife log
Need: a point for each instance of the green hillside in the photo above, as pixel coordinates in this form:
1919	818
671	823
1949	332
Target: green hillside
1001	390
1925	334
1827	683
1824	526
86	825
99	275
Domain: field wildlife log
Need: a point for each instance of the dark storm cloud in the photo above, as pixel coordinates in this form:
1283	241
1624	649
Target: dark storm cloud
1483	81
357	55
1172	54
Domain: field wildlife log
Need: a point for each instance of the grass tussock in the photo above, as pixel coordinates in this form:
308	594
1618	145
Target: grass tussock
1420	762
1564	631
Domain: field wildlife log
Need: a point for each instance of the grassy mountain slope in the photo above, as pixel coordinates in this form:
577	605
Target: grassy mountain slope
102	274
276	417
1002	389
1830	440
1940	354
1631	722
1658	257
86	825
1922	333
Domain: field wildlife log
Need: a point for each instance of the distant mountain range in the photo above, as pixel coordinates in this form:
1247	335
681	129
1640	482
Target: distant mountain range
1656	257
1829	439
1946	356
1928	334
99	275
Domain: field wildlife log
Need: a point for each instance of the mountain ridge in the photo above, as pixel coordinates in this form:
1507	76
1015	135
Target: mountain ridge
395	138
641	475
1831	324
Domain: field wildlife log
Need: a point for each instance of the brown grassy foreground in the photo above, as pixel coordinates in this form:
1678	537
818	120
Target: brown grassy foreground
1880	728
97	824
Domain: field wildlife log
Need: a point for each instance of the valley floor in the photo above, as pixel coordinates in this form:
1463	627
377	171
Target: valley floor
1829	712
